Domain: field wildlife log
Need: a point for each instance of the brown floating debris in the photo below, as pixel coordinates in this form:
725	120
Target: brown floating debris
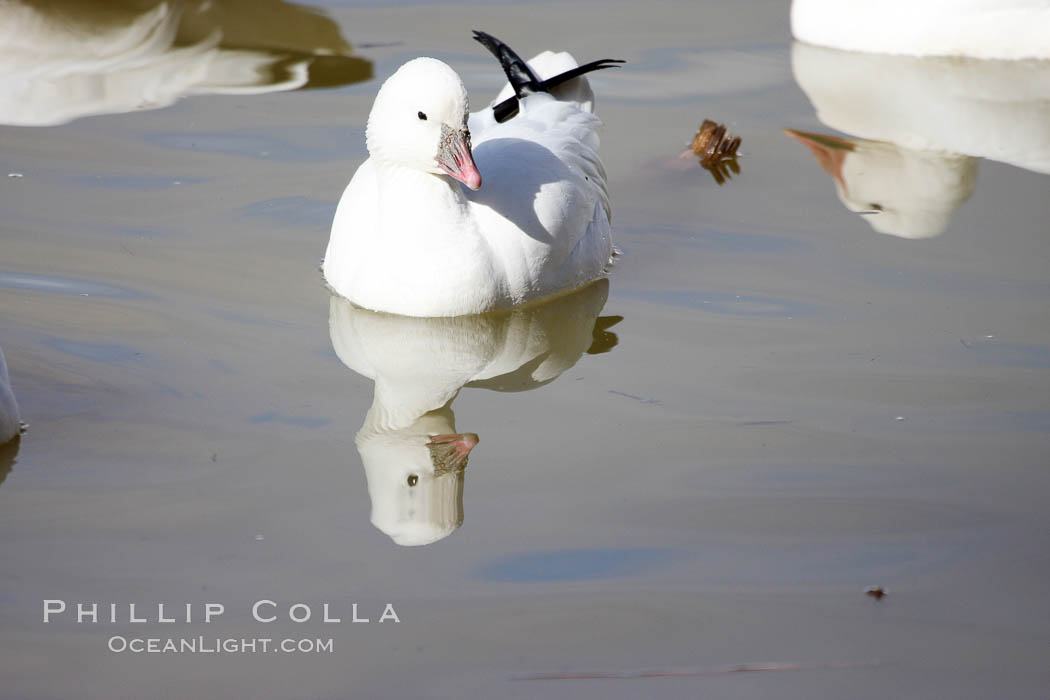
716	148
876	592
712	142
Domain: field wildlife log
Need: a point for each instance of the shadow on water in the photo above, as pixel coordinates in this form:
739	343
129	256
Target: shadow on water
574	564
413	456
8	455
66	59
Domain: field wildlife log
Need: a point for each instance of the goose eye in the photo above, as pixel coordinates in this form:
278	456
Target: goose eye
422	116
413	479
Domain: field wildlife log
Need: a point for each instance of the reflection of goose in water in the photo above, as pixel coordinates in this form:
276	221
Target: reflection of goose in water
10	419
10	422
8	452
921	123
64	59
412	454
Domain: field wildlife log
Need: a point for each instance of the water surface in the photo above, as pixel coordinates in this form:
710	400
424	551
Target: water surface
796	404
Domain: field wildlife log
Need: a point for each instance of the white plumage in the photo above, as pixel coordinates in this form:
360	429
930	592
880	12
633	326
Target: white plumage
408	239
1003	29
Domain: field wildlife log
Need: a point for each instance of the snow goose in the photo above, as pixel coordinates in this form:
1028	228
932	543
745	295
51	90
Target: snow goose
417	234
412	453
1006	29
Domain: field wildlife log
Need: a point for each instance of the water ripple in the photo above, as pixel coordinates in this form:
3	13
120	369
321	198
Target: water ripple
67	285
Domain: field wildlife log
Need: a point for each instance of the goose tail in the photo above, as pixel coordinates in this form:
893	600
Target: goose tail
524	80
521	77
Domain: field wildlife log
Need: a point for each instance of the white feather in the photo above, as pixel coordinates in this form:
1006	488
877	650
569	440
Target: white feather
1003	29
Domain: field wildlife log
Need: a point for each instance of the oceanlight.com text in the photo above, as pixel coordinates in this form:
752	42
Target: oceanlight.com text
218	645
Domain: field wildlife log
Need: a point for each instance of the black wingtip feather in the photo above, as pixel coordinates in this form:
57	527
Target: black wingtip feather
521	77
509	107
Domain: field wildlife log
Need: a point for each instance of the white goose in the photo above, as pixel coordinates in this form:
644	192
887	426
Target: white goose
408	239
1004	29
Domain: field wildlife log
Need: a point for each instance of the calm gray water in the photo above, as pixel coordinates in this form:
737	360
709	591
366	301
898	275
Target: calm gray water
774	403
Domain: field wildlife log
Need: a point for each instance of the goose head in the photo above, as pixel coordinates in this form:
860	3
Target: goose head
419	121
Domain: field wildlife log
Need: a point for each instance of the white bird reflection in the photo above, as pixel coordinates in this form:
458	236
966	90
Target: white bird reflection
413	456
10	422
10	419
65	59
922	124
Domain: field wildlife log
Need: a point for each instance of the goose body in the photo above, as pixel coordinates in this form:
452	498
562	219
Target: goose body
417	233
1003	29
